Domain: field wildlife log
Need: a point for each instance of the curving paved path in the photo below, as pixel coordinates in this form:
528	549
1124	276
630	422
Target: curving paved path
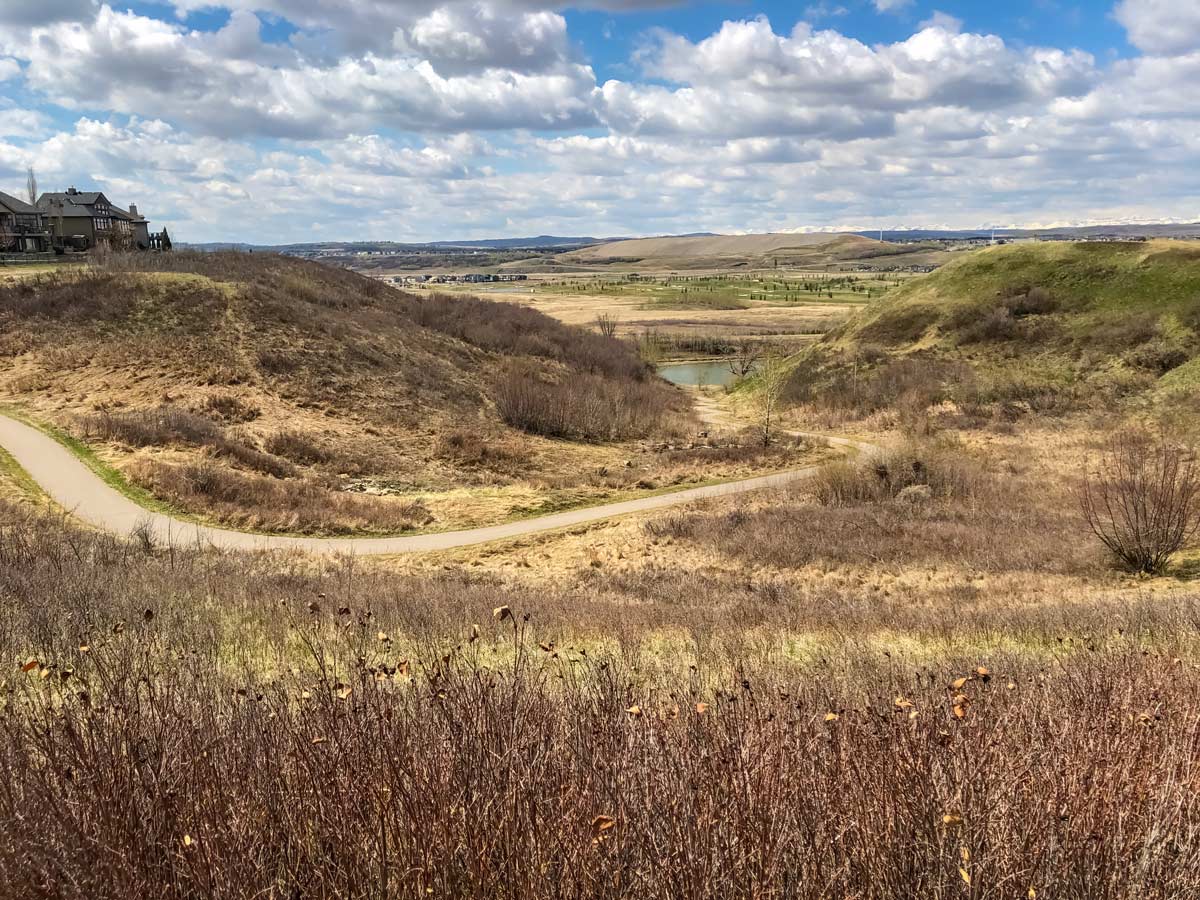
79	490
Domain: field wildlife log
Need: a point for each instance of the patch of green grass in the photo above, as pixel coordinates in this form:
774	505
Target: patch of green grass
680	292
17	476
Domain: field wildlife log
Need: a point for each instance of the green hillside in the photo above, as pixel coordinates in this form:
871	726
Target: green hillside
1046	326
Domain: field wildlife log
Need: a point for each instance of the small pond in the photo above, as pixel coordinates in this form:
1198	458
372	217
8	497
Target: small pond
706	372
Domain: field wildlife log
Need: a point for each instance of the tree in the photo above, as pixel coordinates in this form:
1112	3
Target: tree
772	379
31	187
745	357
1143	501
606	324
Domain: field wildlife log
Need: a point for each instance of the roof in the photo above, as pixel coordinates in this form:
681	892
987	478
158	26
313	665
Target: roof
126	215
20	207
70	205
79	205
82	198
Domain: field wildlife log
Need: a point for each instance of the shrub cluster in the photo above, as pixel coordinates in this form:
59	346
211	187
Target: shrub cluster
168	425
887	474
300	505
192	725
587	407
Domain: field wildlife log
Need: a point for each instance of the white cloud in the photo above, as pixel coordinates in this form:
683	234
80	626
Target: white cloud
429	118
887	6
748	80
21	13
229	83
943	21
1166	27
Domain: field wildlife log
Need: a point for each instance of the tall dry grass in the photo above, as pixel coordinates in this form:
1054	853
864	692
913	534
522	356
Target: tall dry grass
183	724
179	724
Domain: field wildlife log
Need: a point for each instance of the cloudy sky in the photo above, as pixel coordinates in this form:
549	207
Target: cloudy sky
297	120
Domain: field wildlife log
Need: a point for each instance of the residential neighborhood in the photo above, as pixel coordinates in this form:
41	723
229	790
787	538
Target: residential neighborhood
22	227
73	221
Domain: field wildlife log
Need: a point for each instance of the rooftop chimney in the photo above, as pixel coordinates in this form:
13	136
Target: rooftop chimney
133	210
71	190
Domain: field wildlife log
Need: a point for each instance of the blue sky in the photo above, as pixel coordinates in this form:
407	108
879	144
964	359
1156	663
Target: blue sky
291	120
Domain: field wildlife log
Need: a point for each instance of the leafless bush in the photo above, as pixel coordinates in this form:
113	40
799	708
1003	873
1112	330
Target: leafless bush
606	324
745	356
301	505
587	407
168	425
230	408
1143	500
884	475
297	447
157	427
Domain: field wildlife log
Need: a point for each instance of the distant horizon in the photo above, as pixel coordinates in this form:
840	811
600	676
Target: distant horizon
831	230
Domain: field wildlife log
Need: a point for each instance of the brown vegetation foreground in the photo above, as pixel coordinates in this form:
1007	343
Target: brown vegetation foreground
195	725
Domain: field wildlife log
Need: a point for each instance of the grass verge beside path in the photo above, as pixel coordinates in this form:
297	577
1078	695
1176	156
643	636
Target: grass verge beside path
148	501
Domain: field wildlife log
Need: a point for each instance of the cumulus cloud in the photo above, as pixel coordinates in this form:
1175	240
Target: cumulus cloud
428	118
1166	27
18	13
230	83
746	79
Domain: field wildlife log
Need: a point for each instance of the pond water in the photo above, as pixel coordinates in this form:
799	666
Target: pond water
713	372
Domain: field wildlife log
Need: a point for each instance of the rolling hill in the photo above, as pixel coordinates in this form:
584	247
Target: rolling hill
274	393
744	251
1042	326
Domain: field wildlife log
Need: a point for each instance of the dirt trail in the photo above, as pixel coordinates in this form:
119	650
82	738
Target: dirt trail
79	490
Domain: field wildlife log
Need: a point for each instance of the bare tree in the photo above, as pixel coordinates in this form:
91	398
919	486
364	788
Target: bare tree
745	357
31	187
772	379
606	324
1143	502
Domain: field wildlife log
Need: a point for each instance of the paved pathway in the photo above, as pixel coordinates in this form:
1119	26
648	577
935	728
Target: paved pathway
79	490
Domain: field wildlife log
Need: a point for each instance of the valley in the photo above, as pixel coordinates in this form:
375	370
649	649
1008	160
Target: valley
865	558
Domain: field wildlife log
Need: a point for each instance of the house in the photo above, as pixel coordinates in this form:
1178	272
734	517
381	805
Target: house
23	227
83	219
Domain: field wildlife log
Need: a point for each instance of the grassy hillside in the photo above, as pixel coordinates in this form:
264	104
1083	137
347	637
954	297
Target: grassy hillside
746	251
1048	327
274	393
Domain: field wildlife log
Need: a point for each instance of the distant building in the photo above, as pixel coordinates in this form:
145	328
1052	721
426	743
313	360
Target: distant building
23	227
83	219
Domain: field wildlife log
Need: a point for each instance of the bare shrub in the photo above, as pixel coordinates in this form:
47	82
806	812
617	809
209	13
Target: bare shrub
157	427
587	407
1143	500
606	324
297	447
887	474
744	357
304	506
168	425
230	408
1001	319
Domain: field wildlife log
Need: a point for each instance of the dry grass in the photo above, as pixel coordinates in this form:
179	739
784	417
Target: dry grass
264	365
192	724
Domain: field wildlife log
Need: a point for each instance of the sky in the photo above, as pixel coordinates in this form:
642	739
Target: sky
272	121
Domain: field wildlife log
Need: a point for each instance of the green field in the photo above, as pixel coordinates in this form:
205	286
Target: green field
729	291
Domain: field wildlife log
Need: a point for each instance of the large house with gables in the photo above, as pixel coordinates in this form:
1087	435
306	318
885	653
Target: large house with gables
23	227
83	219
